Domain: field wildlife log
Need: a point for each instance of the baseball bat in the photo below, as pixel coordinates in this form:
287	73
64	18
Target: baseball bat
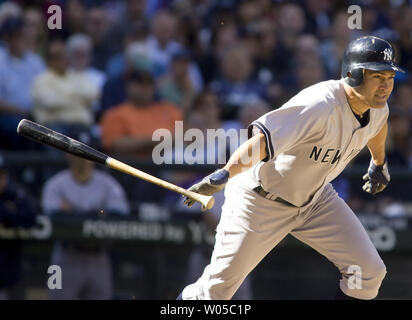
39	133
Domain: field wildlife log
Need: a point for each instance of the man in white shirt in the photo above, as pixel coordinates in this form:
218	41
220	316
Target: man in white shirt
63	98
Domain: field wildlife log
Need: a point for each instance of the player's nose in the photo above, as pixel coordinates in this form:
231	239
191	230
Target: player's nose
385	84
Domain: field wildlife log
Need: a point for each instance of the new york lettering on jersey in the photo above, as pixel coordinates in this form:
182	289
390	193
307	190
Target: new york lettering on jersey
329	155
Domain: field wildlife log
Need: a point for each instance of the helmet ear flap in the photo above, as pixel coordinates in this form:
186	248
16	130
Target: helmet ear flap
354	77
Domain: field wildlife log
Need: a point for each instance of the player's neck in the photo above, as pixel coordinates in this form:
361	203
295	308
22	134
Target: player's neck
356	103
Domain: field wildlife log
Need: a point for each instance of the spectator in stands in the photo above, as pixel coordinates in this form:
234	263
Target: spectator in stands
236	86
161	41
16	211
222	37
9	9
399	141
271	69
83	191
127	128
35	27
162	45
332	49
207	103
124	26
136	33
403	99
307	48
63	98
309	72
266	60
96	27
203	115
308	65
374	20
291	23
402	25
79	54
176	85
136	57
249	13
317	17
18	68
74	17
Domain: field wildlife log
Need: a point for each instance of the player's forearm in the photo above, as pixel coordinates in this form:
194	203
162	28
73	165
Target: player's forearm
376	146
247	155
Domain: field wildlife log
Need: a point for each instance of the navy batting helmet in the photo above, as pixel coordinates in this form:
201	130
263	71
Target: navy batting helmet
370	53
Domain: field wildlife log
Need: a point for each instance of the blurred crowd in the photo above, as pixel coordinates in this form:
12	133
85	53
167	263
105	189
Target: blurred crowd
118	70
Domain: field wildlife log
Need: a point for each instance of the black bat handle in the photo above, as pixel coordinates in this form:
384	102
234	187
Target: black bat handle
39	133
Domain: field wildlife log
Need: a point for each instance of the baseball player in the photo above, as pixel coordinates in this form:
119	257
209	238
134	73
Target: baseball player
285	187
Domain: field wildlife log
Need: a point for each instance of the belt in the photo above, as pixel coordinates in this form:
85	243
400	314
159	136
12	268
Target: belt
260	191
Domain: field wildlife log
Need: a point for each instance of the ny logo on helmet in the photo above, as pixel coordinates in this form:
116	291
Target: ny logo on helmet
387	54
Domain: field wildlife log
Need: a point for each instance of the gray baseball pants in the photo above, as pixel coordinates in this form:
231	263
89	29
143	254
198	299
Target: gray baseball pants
251	226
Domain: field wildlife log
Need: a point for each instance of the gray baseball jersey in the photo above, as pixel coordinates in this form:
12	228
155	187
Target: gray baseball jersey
310	140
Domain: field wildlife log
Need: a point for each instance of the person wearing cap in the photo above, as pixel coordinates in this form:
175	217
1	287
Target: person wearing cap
83	191
127	128
18	68
16	211
176	86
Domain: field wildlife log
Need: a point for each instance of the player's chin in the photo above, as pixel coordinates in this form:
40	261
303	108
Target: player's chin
379	102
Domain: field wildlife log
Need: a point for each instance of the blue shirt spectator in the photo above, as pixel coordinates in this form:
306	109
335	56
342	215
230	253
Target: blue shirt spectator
16	78
18	68
236	86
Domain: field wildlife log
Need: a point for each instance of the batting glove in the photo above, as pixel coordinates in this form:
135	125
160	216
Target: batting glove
377	178
211	184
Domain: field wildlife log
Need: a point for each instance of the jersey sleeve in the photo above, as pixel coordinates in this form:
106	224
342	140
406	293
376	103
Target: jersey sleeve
288	126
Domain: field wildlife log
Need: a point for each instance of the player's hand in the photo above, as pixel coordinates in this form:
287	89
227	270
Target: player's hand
211	184
377	178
